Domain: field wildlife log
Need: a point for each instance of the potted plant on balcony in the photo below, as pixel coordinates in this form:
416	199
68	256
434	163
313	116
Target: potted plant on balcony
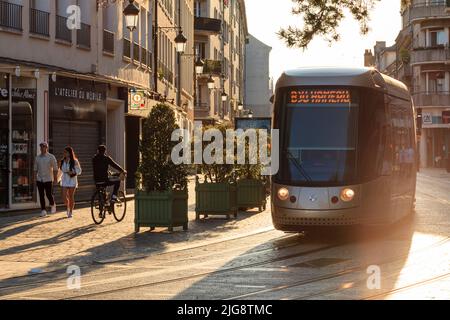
162	196
216	194
251	185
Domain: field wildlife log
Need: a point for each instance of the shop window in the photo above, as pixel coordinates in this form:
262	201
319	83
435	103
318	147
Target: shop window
23	139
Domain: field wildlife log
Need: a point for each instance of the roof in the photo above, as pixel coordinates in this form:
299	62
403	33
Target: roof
343	76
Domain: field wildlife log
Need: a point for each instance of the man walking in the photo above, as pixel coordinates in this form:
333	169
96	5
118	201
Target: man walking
46	169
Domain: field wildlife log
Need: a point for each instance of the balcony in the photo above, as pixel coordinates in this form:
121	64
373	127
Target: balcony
207	26
10	16
431	54
419	11
108	41
39	22
202	111
164	72
84	36
62	32
212	67
438	99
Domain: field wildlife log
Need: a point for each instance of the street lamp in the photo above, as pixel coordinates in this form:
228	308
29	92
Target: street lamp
199	66
211	83
181	42
250	114
131	14
240	106
224	96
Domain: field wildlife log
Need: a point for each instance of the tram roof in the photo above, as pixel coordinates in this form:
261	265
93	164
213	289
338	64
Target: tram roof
341	76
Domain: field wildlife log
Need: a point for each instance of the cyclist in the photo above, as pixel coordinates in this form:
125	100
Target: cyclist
101	163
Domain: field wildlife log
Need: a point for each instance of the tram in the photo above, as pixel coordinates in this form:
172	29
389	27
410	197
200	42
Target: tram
348	152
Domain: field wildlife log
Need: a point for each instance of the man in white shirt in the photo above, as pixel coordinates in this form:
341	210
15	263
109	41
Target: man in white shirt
46	169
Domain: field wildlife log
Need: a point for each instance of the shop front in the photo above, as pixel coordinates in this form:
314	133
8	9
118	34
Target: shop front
18	100
77	118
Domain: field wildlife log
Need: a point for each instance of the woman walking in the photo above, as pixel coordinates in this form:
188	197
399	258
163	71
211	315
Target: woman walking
70	167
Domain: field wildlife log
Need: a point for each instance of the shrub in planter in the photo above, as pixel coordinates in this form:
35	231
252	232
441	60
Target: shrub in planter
162	197
216	195
251	185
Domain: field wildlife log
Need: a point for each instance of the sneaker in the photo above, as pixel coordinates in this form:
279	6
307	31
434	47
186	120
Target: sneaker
69	214
43	213
113	199
53	209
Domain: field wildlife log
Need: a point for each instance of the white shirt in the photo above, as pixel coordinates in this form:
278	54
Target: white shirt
45	165
66	180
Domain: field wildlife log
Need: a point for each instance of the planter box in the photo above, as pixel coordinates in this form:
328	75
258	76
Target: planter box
251	193
161	209
215	199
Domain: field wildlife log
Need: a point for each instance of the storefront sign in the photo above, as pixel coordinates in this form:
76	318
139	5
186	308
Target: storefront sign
19	93
427	118
137	100
73	99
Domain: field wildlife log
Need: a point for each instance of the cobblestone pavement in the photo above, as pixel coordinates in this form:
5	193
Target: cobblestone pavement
29	241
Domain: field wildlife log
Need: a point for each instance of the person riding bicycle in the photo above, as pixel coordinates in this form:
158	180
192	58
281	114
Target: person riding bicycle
101	163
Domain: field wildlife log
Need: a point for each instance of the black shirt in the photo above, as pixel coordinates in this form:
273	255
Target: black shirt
101	164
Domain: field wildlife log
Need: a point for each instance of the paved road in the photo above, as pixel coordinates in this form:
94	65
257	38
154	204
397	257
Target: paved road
243	259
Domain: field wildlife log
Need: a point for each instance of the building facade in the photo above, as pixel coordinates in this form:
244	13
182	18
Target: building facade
88	85
422	62
258	84
220	37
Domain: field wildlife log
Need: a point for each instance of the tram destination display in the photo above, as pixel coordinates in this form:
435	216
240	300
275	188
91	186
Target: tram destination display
319	96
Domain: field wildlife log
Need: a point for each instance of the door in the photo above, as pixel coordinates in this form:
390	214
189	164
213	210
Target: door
4	141
83	137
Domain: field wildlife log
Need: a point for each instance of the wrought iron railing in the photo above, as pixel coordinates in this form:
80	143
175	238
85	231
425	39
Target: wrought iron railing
127	48
39	22
10	15
84	36
136	52
62	32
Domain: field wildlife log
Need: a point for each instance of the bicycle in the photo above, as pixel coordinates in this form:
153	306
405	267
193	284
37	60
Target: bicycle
101	204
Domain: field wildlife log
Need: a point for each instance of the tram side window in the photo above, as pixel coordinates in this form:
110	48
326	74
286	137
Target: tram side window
374	155
403	137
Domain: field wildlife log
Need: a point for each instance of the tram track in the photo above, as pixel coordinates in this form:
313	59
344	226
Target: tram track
226	270
333	275
364	282
188	277
273	249
258	264
137	257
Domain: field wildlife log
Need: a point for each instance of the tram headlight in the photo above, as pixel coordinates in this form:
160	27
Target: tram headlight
283	194
347	195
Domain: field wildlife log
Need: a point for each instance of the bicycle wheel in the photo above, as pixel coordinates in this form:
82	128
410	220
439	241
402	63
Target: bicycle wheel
120	207
98	208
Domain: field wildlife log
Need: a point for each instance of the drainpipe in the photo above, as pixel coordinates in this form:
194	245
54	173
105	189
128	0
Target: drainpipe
155	46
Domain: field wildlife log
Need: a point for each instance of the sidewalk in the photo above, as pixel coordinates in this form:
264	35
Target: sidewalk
33	242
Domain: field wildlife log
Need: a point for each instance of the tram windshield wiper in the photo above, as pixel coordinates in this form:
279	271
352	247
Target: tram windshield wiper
299	166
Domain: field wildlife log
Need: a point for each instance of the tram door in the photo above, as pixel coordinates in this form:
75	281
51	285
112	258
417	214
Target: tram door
4	141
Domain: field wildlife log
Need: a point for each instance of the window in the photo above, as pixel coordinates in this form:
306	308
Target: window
436	82
437	38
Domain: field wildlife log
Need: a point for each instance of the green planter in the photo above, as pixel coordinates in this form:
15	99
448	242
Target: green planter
215	199
251	193
161	209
